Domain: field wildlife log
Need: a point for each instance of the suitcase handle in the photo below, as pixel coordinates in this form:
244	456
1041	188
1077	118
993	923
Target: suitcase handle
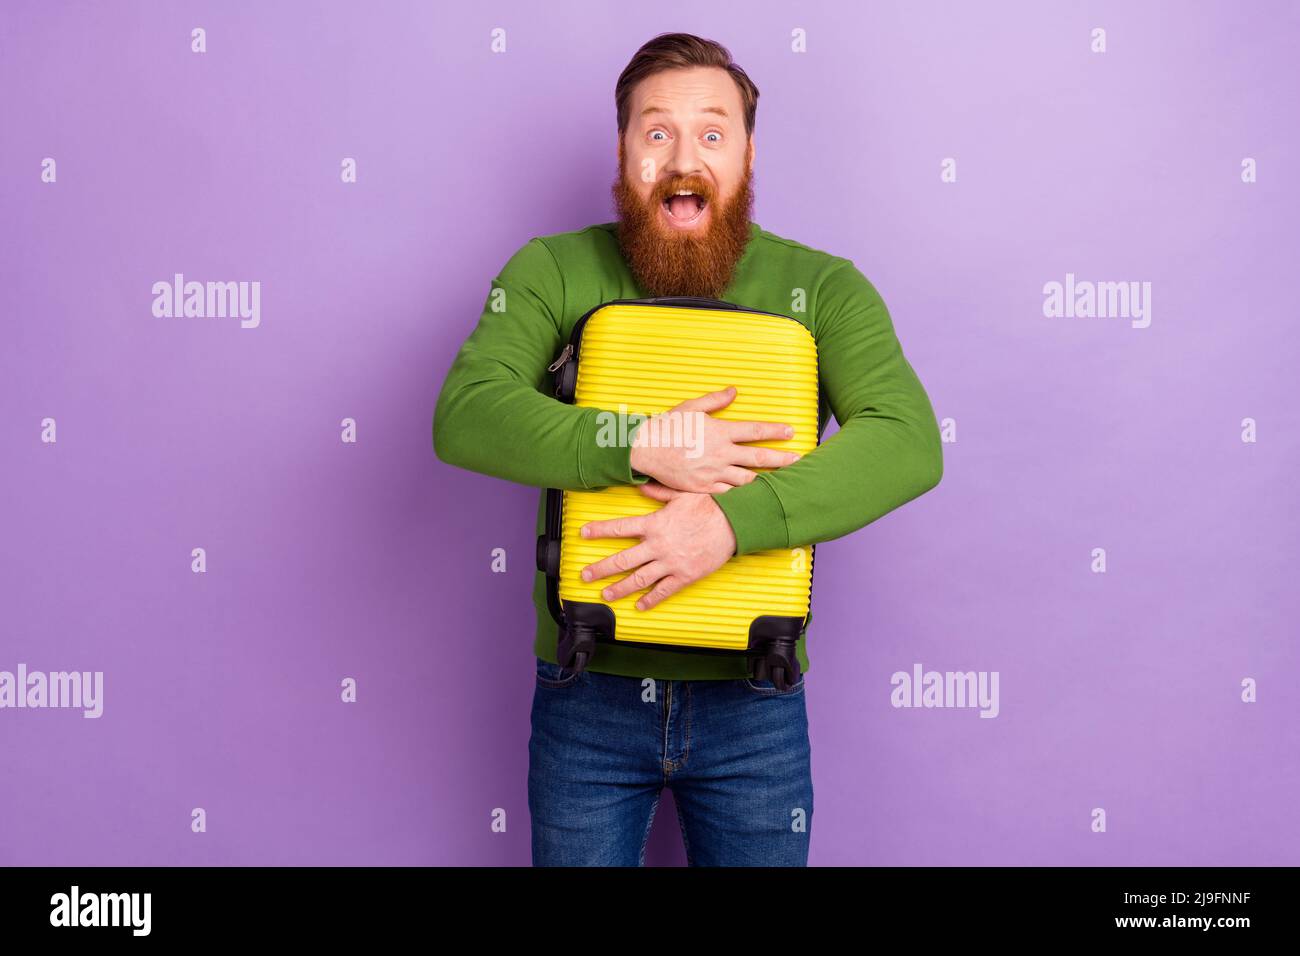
697	301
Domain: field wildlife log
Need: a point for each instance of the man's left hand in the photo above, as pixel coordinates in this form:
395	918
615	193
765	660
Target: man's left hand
685	540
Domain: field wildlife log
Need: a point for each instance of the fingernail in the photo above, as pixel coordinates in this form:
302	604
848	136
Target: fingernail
789	432
583	531
640	605
606	595
796	457
586	575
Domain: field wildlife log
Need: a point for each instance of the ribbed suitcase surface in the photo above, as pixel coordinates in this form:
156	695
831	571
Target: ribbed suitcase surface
650	358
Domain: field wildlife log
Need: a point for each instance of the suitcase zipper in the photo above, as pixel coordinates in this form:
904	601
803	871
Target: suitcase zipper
563	357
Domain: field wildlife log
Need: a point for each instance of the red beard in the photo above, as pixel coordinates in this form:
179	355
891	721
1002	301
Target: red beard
665	262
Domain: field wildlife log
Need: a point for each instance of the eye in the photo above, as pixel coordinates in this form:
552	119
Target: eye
715	133
657	132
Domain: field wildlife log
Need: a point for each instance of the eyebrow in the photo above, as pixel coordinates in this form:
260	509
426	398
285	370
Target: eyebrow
704	109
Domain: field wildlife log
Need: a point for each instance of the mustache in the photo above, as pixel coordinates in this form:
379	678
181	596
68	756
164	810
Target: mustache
693	184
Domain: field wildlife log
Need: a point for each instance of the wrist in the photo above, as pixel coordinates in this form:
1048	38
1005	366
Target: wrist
724	524
756	516
639	459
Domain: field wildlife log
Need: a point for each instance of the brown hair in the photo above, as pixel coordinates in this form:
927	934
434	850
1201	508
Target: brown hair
671	51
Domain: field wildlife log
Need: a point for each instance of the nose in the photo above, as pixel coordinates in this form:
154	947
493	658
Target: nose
685	159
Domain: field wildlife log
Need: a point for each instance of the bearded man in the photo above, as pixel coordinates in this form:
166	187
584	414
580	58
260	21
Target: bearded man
606	740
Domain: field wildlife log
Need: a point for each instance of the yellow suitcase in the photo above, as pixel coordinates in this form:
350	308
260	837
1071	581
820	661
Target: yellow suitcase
642	357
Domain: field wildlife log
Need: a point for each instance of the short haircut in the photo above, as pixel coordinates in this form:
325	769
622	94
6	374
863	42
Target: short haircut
672	51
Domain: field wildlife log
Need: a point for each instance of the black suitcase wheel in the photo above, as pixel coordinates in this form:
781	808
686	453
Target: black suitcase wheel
778	664
548	556
576	646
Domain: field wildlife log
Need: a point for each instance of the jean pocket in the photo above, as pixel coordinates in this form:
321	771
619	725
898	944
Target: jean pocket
552	675
765	688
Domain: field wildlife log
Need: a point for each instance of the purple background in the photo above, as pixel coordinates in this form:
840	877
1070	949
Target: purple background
325	560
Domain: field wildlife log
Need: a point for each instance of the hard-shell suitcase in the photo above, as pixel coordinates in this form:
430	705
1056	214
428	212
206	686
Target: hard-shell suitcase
645	356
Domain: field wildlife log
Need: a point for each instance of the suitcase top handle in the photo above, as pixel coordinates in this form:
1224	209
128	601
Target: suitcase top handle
698	301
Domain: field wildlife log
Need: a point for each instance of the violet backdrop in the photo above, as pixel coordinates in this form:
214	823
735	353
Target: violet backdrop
371	560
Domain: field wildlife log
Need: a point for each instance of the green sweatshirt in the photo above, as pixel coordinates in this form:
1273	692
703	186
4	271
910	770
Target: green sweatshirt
497	414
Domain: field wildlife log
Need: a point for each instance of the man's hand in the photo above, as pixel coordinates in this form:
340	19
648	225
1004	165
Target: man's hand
685	540
714	461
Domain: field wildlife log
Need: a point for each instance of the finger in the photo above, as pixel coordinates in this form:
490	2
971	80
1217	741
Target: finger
619	562
631	526
758	431
640	579
718	487
751	456
737	476
657	491
710	402
665	588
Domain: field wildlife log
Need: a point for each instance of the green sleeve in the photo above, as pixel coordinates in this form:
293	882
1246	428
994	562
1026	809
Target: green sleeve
886	452
492	416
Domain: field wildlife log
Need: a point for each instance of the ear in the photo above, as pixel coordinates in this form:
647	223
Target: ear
750	160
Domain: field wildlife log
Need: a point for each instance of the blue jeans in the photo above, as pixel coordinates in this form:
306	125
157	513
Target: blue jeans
735	754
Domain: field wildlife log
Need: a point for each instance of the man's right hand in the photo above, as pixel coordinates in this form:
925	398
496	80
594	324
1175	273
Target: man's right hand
712	460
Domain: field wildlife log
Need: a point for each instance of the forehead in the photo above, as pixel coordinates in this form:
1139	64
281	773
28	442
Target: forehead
682	93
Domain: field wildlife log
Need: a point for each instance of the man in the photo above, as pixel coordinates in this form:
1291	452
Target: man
607	740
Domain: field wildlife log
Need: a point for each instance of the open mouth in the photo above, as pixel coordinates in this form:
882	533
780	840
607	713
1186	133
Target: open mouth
684	208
